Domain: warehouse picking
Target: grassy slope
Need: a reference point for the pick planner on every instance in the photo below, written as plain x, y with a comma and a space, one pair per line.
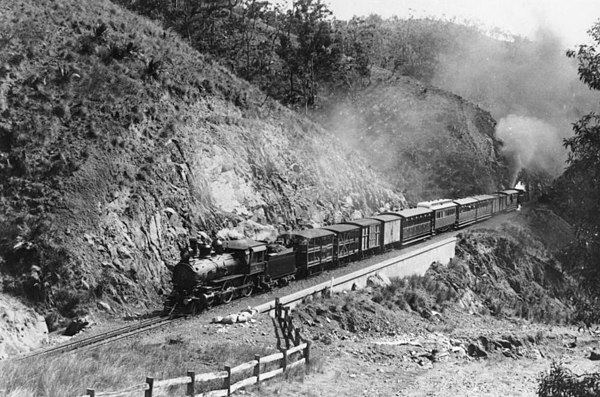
116, 143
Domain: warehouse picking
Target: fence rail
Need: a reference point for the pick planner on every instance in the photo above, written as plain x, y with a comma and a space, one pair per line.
191, 379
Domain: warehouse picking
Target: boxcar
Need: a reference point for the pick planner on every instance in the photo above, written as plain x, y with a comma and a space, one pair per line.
346, 243
467, 211
370, 231
313, 247
444, 213
485, 203
512, 197
392, 229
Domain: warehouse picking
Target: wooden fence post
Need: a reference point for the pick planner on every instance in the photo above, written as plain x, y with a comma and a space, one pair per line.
307, 353
277, 308
284, 360
297, 341
286, 331
228, 380
91, 392
150, 382
191, 387
257, 368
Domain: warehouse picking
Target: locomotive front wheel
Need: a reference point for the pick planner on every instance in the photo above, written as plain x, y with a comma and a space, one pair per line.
227, 293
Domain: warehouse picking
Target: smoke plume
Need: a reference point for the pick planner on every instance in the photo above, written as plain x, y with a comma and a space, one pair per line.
531, 143
530, 86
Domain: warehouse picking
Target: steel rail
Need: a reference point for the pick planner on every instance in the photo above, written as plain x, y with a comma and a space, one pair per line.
105, 337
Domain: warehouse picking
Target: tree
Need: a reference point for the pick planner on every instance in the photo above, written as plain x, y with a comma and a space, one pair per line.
307, 49
579, 186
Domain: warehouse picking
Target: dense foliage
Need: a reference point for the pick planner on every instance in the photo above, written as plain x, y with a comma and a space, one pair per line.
578, 188
300, 53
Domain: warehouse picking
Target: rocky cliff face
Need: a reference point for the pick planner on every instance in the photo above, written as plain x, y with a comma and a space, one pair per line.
428, 142
118, 141
512, 270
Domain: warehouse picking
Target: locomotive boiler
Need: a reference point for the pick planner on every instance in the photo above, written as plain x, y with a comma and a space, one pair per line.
234, 268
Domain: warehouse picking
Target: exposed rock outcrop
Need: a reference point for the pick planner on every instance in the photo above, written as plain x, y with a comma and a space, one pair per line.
21, 328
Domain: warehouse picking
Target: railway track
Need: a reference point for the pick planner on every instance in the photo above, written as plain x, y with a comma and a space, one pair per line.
106, 337
290, 299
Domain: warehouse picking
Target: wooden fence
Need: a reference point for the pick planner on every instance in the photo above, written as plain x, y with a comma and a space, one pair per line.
290, 334
284, 359
296, 347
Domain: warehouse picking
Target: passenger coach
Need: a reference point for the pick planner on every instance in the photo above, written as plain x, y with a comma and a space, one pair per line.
467, 211
417, 224
444, 213
484, 205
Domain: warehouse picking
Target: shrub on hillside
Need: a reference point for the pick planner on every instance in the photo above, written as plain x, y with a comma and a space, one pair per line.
561, 382
416, 293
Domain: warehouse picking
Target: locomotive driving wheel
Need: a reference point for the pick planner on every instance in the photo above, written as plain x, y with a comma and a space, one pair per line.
249, 287
227, 292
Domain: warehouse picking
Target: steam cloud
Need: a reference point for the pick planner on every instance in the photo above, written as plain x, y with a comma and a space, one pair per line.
531, 143
530, 86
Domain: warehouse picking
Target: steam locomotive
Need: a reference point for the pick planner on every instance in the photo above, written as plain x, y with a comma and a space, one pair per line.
214, 272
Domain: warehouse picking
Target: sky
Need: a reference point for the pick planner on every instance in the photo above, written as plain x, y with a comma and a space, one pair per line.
569, 19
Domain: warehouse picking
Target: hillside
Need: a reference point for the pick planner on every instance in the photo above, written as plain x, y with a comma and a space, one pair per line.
428, 142
118, 141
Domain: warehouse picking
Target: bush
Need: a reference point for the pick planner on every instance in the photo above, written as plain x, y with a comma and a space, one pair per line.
561, 382
414, 293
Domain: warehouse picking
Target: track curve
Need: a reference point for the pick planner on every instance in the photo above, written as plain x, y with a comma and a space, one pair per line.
106, 337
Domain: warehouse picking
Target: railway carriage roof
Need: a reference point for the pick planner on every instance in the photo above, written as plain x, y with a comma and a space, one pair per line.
465, 201
386, 217
341, 227
437, 204
310, 233
509, 191
364, 222
482, 197
410, 212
